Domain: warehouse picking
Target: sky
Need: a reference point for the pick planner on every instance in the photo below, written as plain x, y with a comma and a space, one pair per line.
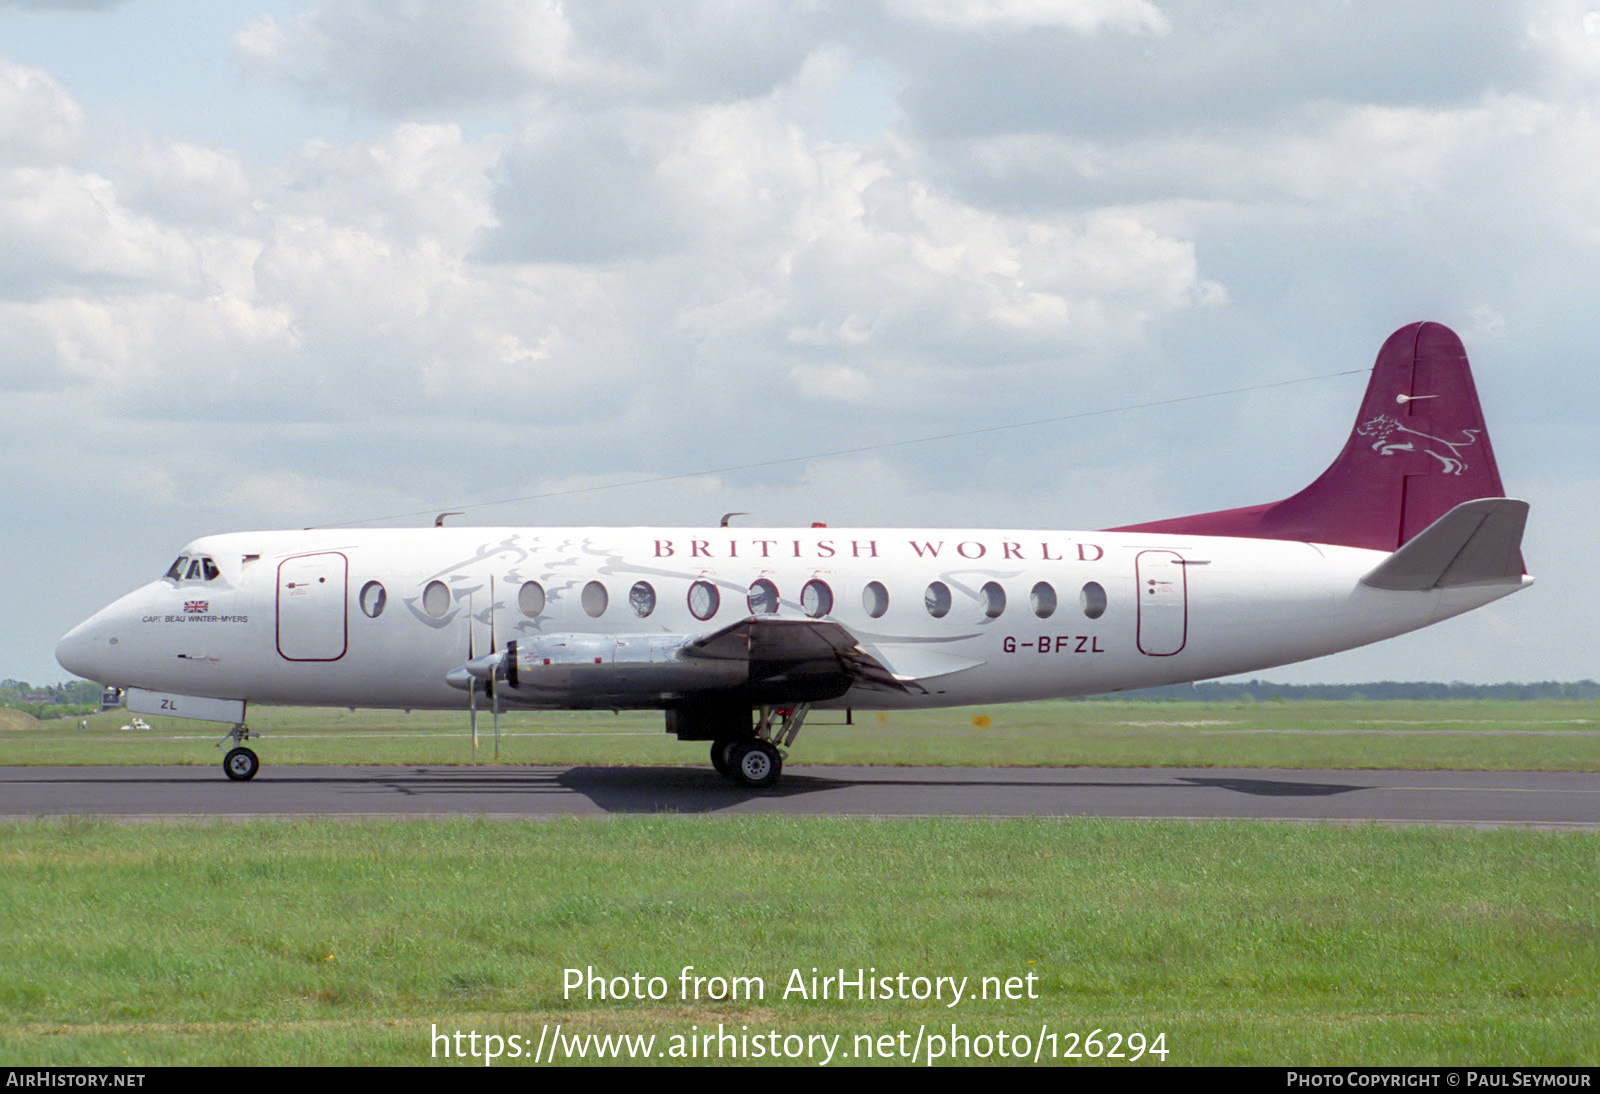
290, 264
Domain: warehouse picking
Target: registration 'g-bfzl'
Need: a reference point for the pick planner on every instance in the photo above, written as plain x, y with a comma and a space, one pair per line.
737, 633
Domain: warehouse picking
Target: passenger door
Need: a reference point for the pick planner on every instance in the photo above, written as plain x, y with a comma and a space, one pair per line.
312, 596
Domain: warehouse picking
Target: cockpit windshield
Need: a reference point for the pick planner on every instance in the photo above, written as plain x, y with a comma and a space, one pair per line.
193, 568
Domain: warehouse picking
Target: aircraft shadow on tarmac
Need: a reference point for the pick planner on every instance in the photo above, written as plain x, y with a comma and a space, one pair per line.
655, 789
695, 790
1272, 788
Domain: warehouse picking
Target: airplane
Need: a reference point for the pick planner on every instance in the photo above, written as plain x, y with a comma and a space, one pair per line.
737, 633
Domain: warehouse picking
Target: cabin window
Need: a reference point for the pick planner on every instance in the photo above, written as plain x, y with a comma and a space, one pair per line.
1093, 599
704, 600
937, 600
1043, 600
816, 599
642, 599
594, 599
373, 598
994, 599
530, 598
875, 599
763, 598
436, 599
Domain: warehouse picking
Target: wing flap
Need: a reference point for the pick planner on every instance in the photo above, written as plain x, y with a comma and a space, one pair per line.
787, 648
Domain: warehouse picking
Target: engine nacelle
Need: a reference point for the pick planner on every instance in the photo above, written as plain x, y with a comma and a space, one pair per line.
596, 670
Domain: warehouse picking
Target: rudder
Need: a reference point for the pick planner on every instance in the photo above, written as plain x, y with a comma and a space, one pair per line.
1418, 449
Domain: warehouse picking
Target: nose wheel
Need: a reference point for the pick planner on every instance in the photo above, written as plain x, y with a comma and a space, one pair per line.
241, 763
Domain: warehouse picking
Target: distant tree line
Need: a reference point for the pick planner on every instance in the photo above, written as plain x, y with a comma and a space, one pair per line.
1266, 691
51, 700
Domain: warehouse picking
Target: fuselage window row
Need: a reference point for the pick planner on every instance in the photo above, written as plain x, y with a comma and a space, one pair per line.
705, 599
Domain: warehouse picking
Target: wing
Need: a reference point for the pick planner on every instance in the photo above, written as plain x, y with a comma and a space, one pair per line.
808, 656
760, 659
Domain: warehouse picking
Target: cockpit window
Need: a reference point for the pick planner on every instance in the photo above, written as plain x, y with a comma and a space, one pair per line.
193, 568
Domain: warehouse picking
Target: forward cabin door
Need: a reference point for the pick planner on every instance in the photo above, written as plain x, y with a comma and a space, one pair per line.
1163, 582
312, 597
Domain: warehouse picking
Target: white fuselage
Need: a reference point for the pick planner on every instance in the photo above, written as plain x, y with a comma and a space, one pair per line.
380, 617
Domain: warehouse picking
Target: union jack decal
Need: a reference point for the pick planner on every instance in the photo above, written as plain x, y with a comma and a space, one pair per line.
193, 607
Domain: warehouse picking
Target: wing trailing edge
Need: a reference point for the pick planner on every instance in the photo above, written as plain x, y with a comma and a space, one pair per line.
776, 647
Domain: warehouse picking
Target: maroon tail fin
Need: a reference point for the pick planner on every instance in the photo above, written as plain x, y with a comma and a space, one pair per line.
1419, 448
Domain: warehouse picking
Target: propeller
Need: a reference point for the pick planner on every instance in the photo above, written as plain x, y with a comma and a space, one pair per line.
484, 671
472, 685
493, 683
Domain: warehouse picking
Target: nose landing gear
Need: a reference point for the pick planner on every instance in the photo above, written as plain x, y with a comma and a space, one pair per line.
240, 764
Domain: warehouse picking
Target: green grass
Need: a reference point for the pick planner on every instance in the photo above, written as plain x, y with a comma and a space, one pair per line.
1452, 734
326, 942
330, 942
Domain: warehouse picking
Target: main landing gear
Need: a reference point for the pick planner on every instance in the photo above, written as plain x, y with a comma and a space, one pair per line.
240, 764
757, 760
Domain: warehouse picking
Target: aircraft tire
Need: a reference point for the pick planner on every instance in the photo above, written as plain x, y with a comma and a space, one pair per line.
241, 764
722, 755
757, 764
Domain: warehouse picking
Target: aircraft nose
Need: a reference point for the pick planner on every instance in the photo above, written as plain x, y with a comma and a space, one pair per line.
83, 650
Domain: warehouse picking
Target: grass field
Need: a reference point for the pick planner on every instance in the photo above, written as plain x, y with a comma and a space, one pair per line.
1462, 734
326, 942
286, 942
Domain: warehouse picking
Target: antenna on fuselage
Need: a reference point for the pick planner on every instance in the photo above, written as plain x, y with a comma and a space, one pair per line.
438, 521
726, 517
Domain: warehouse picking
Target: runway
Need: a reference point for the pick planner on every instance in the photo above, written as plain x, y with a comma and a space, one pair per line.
1474, 798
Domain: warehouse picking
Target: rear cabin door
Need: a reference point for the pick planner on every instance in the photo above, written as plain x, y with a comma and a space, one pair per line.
312, 597
1163, 602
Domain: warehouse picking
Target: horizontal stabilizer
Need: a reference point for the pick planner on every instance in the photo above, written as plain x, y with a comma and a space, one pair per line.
1476, 543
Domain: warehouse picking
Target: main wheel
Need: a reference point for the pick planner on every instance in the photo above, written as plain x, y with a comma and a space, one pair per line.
722, 754
241, 764
756, 763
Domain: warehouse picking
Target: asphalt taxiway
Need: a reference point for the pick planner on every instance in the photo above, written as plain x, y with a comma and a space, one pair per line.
1480, 798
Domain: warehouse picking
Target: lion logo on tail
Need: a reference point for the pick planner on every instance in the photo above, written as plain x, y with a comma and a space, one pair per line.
1383, 427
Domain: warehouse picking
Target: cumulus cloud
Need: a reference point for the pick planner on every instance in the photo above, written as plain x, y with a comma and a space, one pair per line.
39, 121
1215, 64
61, 226
1083, 16
396, 59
